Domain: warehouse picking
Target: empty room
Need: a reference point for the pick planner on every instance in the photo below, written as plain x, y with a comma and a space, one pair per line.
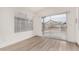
39, 29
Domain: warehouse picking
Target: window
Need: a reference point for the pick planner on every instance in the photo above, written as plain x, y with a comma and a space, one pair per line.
22, 24
57, 18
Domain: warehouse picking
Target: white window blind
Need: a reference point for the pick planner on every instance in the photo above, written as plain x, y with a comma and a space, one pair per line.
22, 24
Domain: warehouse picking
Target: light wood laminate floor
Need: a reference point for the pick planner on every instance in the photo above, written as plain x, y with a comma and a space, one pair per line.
42, 44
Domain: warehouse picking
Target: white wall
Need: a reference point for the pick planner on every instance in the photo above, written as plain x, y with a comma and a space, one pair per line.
71, 15
77, 25
37, 26
7, 35
71, 31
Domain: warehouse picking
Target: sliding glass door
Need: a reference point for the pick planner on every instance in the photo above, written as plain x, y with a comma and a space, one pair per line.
55, 26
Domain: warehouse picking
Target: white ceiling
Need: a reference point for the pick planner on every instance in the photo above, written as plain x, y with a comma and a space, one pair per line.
30, 9
35, 9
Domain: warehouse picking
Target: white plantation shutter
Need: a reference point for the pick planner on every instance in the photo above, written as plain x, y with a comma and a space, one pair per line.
22, 24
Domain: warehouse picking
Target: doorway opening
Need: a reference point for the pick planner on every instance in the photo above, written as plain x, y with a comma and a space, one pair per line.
55, 26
